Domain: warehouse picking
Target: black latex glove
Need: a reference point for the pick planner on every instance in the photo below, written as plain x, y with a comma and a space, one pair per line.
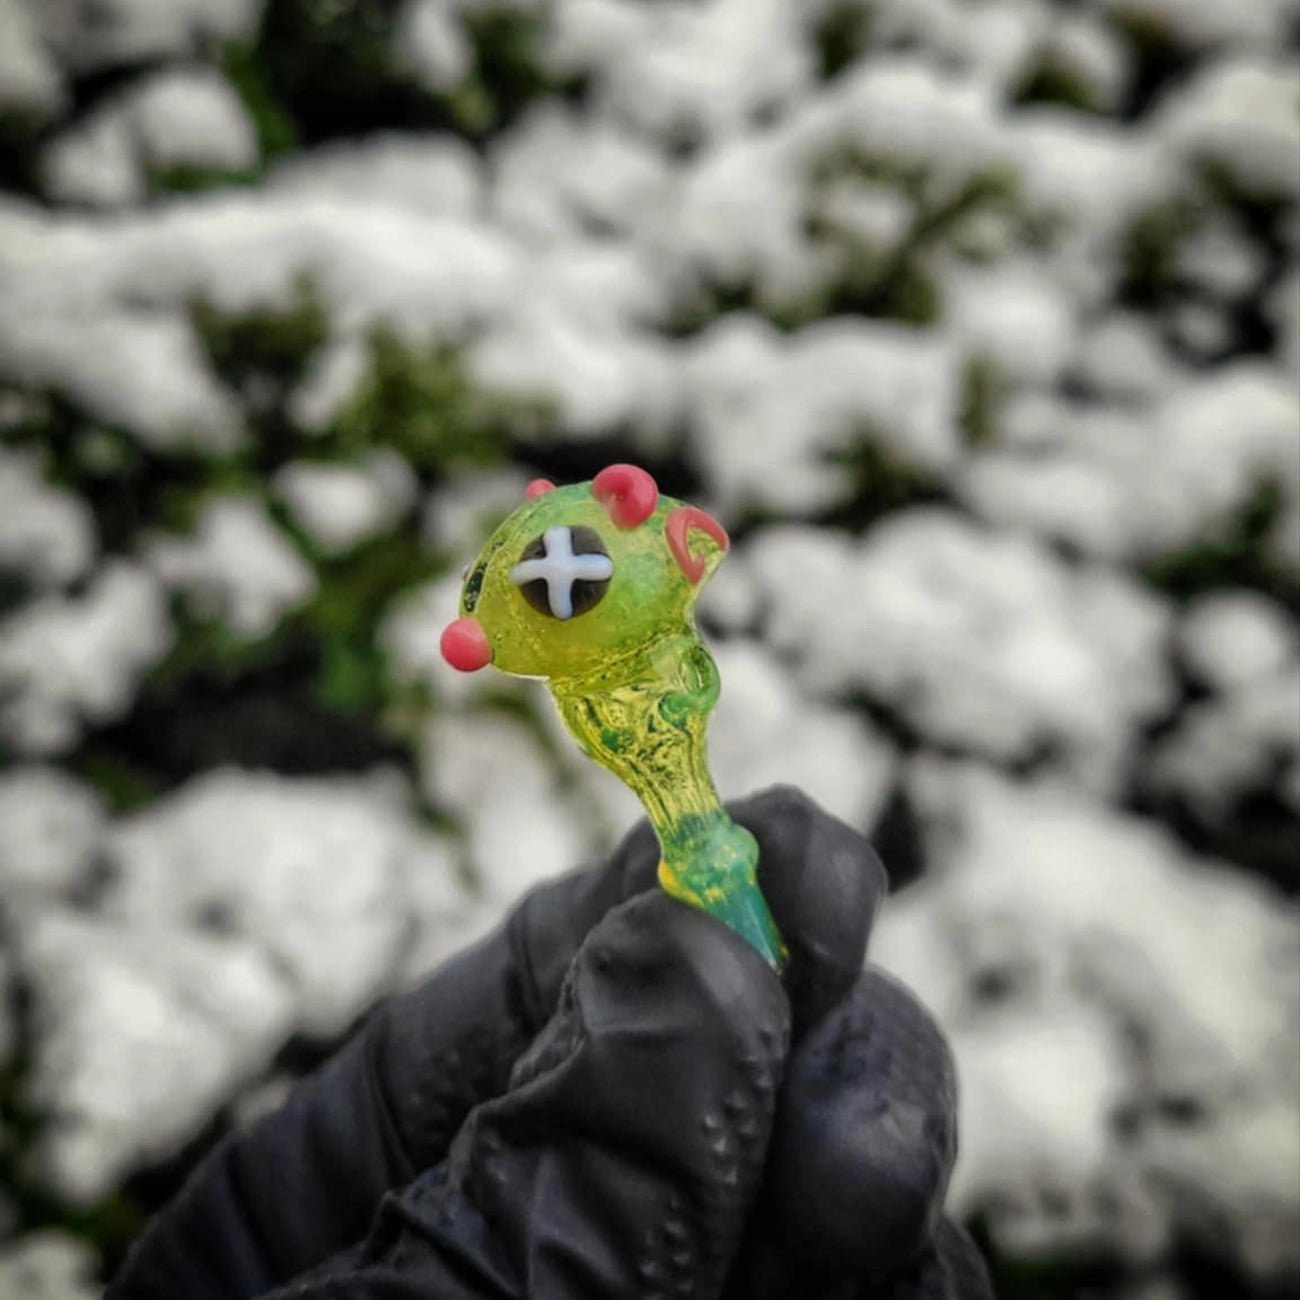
611, 1096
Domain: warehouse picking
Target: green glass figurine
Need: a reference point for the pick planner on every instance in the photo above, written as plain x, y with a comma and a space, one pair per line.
592, 588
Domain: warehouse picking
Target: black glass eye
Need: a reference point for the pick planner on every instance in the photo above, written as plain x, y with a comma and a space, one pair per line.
564, 572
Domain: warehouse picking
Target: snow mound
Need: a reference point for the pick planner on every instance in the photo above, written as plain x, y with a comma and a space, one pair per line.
1121, 1013
978, 640
69, 661
235, 566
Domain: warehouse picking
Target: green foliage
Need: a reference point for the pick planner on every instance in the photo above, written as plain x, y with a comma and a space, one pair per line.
20, 134
898, 283
1053, 81
983, 394
422, 403
1091, 1272
1236, 555
1150, 249
324, 69
186, 179
356, 591
263, 355
317, 692
1159, 59
883, 481
841, 36
247, 72
332, 68
508, 73
127, 487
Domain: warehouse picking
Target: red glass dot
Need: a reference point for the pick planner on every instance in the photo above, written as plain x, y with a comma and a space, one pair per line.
465, 645
628, 492
538, 487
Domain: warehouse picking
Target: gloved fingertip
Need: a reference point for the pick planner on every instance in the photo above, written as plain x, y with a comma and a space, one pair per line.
656, 975
865, 1138
632, 1138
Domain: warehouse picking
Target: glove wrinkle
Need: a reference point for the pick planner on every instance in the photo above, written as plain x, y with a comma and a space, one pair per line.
623, 1160
445, 1045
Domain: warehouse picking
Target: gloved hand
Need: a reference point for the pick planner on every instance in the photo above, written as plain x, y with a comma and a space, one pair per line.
612, 1096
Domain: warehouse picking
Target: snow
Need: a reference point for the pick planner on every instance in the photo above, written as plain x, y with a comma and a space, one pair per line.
429, 174
905, 107
769, 409
1284, 308
411, 632
558, 173
192, 118
1226, 747
1015, 316
1123, 1013
880, 218
980, 640
1231, 638
65, 661
1056, 495
236, 566
461, 513
1086, 172
1242, 116
191, 1016
1092, 53
46, 534
764, 732
117, 33
1128, 485
99, 310
698, 71
311, 871
431, 44
1219, 438
137, 368
239, 910
1039, 1093
49, 1265
519, 826
1241, 1171
596, 381
95, 162
175, 117
341, 506
1221, 261
1122, 358
738, 213
29, 78
1127, 972
50, 829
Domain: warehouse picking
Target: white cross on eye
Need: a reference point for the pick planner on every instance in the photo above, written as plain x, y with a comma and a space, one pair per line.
560, 569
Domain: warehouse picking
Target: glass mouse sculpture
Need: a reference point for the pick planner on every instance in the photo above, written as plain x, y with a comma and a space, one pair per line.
592, 588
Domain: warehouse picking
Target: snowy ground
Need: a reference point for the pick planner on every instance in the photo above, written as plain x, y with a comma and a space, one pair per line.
978, 323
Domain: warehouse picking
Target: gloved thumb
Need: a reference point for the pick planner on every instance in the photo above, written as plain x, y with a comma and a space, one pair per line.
624, 1157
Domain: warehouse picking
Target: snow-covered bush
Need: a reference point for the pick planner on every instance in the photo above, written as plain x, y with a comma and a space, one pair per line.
978, 324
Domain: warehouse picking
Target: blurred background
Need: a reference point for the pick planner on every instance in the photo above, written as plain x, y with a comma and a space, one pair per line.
978, 324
